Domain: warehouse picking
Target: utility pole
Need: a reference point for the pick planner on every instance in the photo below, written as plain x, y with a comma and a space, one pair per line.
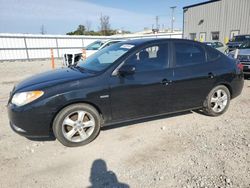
157, 22
42, 30
172, 19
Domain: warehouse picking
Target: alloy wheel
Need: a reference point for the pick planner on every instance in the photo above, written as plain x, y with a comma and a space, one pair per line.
219, 100
78, 126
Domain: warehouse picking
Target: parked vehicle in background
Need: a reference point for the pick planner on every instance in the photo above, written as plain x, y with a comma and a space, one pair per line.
237, 41
217, 45
243, 56
126, 81
93, 47
98, 45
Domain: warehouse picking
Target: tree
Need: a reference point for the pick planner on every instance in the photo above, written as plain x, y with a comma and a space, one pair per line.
104, 25
104, 28
79, 31
88, 25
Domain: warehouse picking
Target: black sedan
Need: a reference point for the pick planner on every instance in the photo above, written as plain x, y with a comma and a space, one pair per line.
126, 81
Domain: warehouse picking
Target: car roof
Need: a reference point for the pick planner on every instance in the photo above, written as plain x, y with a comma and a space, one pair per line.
115, 40
242, 35
137, 42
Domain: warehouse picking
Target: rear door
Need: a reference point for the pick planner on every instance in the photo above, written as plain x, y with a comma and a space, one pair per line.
193, 76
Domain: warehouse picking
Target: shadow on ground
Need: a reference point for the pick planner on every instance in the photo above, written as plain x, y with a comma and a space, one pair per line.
52, 138
101, 177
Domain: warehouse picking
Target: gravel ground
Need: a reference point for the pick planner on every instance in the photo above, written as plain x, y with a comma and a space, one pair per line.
182, 150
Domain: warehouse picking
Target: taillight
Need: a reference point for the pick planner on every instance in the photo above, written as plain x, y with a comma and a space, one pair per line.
240, 66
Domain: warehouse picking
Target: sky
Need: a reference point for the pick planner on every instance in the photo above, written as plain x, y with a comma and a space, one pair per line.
62, 16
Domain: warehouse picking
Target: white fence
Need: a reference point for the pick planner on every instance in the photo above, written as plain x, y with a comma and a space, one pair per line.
28, 47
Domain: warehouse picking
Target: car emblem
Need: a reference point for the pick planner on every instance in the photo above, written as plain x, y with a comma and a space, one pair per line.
104, 96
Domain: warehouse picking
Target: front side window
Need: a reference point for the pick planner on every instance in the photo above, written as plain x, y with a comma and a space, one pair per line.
154, 57
188, 54
103, 58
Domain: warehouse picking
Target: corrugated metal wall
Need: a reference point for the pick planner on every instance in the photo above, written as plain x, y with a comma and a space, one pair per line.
224, 16
18, 46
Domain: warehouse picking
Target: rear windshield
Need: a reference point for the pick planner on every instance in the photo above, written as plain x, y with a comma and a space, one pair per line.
241, 38
245, 45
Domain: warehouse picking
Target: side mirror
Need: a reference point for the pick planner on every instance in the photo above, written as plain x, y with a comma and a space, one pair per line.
126, 70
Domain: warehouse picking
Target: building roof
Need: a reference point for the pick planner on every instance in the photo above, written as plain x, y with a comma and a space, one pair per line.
198, 4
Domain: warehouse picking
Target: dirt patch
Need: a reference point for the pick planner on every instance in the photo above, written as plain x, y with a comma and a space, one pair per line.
183, 150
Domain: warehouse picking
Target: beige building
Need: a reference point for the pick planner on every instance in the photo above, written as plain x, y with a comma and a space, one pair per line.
216, 20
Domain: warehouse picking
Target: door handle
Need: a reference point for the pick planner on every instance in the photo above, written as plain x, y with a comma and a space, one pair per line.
211, 75
165, 82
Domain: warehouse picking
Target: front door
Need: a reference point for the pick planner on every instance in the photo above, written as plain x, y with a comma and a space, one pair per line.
147, 92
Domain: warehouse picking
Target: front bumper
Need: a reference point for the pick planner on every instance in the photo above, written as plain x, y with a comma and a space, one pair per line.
30, 121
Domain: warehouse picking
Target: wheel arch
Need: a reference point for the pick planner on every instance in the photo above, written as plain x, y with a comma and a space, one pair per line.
228, 87
76, 102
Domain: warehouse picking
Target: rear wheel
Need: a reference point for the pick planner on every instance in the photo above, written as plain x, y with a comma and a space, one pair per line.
77, 125
217, 101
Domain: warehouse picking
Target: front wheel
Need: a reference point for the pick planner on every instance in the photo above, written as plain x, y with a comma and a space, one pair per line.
217, 101
77, 125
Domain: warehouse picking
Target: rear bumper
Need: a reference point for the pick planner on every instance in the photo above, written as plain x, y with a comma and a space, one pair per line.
237, 85
246, 67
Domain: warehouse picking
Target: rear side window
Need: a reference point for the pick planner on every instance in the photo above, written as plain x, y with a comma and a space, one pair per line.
212, 54
188, 54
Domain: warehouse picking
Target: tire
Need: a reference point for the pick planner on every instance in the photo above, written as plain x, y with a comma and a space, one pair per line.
213, 99
77, 125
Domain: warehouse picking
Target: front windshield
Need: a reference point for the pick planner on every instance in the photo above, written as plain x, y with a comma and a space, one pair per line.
94, 46
245, 45
105, 57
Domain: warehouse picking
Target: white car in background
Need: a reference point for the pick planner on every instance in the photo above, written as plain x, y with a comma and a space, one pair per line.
243, 55
98, 45
217, 45
73, 56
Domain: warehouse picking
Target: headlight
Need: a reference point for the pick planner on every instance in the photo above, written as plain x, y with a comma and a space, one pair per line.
23, 98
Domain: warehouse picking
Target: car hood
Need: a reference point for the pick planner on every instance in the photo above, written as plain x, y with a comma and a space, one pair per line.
53, 77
